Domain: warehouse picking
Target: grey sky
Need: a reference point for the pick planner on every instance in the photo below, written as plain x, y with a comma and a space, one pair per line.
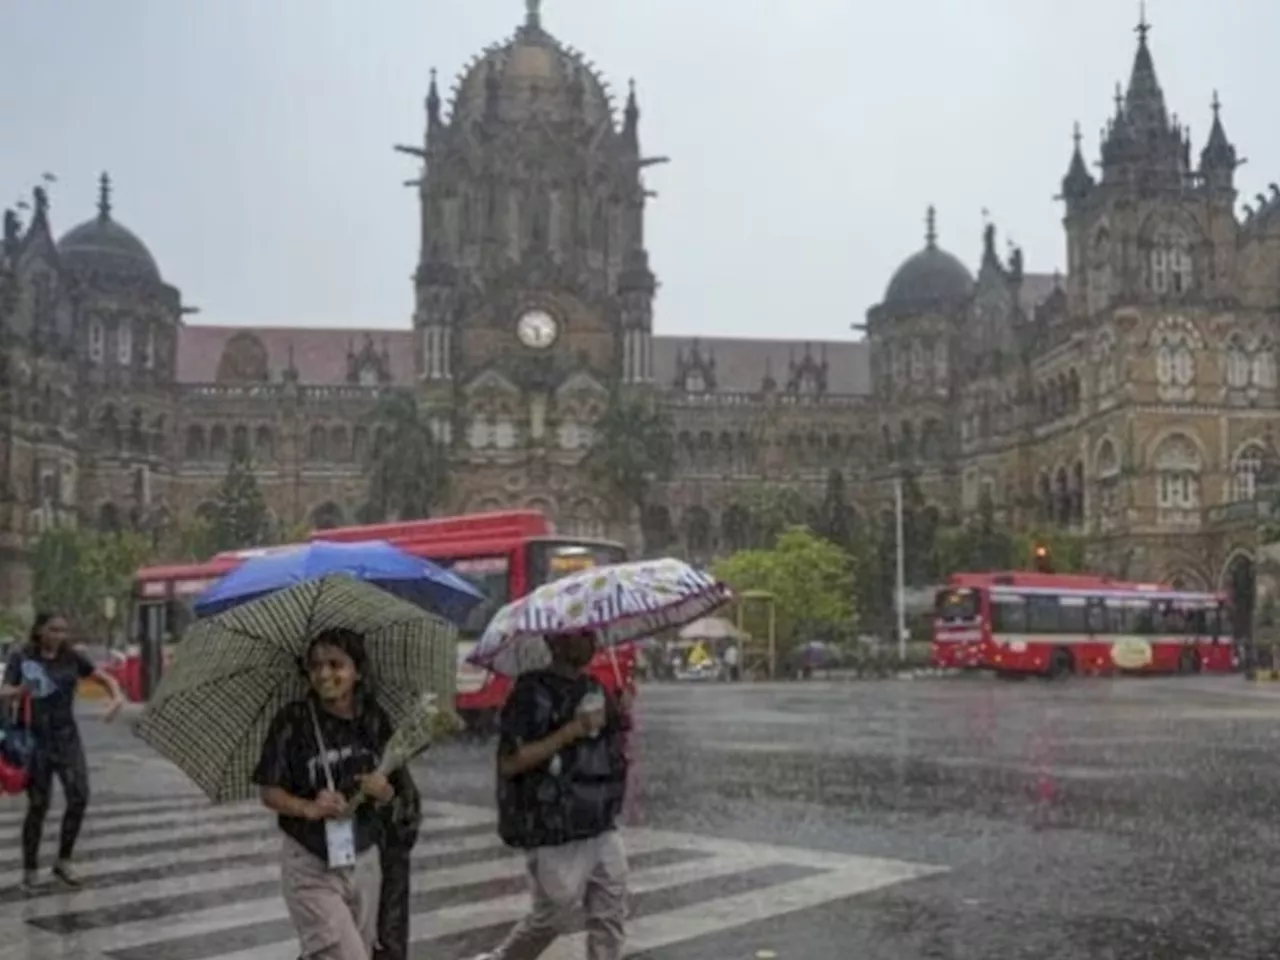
250, 140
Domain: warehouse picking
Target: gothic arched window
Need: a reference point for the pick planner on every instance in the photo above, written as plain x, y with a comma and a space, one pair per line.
1244, 473
1177, 463
1238, 362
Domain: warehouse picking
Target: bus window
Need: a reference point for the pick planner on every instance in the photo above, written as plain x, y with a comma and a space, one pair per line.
1042, 615
489, 575
953, 606
1008, 614
1072, 615
1095, 617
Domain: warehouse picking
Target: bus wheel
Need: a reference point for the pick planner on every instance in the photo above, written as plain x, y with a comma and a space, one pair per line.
1189, 662
1061, 665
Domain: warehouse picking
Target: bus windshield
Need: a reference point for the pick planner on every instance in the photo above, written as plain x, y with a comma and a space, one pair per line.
552, 559
954, 605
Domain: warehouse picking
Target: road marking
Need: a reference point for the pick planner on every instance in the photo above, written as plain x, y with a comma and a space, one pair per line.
168, 893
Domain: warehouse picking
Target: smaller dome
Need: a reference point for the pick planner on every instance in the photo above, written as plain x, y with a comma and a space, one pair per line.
930, 275
105, 246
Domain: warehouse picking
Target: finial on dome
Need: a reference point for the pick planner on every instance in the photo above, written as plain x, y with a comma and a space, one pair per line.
104, 196
533, 15
931, 227
1144, 26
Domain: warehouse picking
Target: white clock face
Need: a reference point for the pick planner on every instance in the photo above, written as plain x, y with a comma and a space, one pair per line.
537, 329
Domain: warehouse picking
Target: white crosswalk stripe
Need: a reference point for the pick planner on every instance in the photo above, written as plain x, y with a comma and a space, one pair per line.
179, 880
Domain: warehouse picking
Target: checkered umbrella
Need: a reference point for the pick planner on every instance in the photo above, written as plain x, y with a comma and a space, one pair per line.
233, 672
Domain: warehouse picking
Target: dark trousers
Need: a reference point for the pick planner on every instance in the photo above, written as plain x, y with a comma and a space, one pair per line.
393, 905
63, 759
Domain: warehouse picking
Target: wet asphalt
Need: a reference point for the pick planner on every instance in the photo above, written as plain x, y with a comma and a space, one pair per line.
1099, 819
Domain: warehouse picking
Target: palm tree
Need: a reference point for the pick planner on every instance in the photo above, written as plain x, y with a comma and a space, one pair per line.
409, 472
633, 450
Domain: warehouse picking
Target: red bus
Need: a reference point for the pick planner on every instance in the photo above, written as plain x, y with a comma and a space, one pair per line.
506, 554
1022, 623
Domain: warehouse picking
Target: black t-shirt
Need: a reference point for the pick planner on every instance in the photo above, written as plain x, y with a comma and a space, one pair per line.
291, 760
578, 794
52, 683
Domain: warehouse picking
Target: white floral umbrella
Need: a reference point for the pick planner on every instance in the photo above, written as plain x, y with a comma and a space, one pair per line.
619, 603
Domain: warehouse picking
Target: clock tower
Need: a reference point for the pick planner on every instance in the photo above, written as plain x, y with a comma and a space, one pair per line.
534, 294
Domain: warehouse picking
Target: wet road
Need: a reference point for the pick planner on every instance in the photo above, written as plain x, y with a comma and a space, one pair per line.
940, 819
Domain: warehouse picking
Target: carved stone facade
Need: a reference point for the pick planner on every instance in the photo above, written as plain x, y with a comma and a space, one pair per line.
1129, 399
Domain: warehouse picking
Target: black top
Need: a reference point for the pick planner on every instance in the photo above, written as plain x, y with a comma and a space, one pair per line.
579, 793
52, 684
290, 760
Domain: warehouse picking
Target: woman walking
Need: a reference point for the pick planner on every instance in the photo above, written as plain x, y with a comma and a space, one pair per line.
48, 670
319, 753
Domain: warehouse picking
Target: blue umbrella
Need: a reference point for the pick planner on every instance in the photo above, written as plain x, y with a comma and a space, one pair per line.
419, 581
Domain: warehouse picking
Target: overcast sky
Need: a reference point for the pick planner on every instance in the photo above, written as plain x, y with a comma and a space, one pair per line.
250, 140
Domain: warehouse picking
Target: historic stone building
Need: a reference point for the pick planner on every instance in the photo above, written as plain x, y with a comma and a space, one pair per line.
1128, 398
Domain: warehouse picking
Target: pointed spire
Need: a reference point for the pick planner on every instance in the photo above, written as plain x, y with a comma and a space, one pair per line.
1144, 102
1218, 158
931, 228
632, 113
433, 99
1078, 181
104, 196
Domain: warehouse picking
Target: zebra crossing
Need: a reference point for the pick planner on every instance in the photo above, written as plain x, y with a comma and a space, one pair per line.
176, 879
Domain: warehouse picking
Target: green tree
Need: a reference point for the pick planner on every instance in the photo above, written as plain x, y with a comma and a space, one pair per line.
810, 578
632, 451
76, 571
409, 477
240, 517
771, 509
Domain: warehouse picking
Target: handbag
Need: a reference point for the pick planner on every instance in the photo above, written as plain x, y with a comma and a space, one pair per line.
16, 748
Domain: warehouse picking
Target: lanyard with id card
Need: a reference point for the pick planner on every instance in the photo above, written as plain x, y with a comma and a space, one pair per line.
340, 834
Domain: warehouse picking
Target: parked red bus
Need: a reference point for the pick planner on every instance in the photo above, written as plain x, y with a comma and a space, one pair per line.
505, 554
1022, 623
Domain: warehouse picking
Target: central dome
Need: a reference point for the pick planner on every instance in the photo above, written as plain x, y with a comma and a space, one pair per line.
532, 74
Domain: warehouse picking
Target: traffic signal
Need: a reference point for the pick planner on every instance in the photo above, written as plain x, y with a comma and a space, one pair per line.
1044, 563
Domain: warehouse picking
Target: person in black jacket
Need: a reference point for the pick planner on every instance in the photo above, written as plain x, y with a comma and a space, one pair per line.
562, 777
402, 818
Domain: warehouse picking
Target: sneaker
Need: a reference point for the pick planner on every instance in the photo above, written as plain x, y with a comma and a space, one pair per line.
30, 881
66, 873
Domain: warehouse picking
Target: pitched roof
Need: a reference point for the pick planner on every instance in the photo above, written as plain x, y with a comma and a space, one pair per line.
319, 354
741, 363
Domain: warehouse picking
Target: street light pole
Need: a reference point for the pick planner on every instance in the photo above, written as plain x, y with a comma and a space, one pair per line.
901, 584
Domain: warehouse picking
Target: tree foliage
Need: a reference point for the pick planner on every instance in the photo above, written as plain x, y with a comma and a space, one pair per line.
240, 517
409, 477
76, 571
632, 451
810, 578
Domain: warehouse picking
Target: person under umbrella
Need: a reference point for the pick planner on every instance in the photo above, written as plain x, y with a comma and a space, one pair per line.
319, 753
562, 752
562, 777
237, 672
